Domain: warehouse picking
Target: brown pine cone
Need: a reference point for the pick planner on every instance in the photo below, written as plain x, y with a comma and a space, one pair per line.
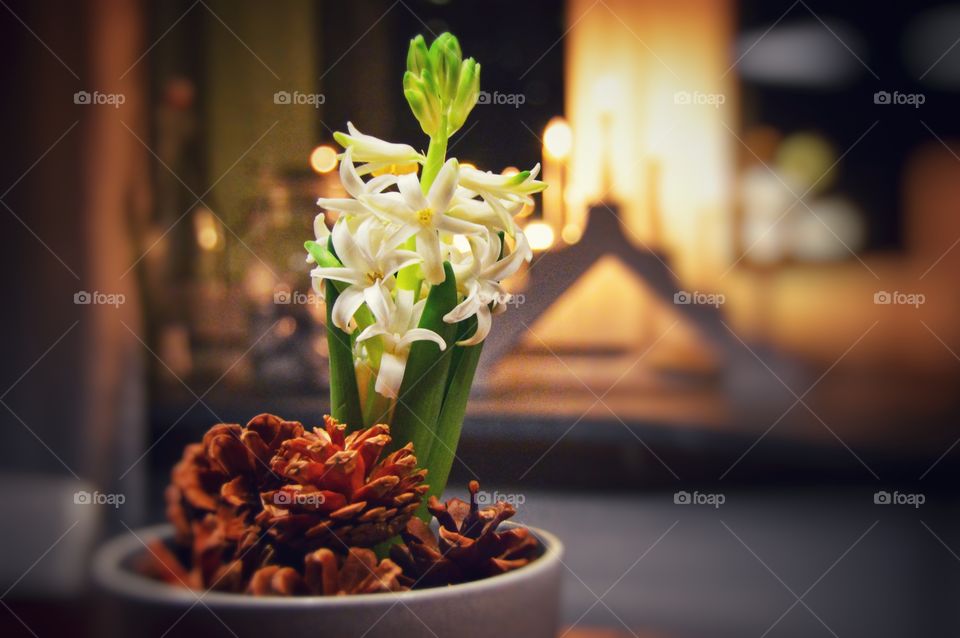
213, 497
258, 508
329, 574
468, 548
336, 491
230, 466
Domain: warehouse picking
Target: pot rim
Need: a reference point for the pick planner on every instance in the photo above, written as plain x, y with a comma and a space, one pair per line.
111, 575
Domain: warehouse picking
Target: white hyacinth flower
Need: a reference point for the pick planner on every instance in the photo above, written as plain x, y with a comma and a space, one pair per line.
506, 194
395, 324
481, 283
369, 255
374, 153
356, 188
425, 216
477, 211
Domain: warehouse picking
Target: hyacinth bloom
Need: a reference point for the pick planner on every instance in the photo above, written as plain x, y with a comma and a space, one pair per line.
413, 265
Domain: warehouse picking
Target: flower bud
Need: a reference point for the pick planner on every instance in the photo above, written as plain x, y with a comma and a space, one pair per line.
468, 91
417, 55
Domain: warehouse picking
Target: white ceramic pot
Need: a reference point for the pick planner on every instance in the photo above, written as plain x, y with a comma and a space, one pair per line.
524, 602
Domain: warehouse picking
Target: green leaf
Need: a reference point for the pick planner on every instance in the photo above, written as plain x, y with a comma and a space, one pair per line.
344, 396
463, 367
321, 255
425, 377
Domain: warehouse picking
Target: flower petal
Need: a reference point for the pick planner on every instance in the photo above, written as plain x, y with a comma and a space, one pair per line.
483, 327
409, 187
428, 245
341, 205
444, 186
370, 332
466, 308
348, 175
379, 302
320, 229
346, 306
346, 275
349, 247
421, 334
458, 226
390, 375
390, 206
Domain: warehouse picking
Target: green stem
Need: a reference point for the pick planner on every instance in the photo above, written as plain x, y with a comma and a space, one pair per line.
436, 156
376, 407
344, 397
409, 278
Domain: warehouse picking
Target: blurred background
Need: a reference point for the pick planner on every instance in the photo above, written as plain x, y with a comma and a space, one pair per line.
744, 286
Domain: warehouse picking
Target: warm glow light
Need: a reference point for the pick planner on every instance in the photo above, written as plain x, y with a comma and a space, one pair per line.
469, 165
509, 171
539, 234
205, 227
571, 233
649, 130
285, 327
609, 93
323, 159
558, 138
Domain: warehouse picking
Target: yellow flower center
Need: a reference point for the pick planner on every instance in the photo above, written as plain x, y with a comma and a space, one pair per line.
425, 216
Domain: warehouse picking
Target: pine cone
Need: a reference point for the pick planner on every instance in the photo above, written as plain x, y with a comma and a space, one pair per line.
336, 492
230, 466
222, 556
468, 548
258, 509
328, 574
212, 499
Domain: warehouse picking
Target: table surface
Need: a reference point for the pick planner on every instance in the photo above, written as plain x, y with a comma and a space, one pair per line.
777, 562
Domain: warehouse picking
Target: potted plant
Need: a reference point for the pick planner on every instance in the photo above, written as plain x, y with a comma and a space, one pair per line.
339, 530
